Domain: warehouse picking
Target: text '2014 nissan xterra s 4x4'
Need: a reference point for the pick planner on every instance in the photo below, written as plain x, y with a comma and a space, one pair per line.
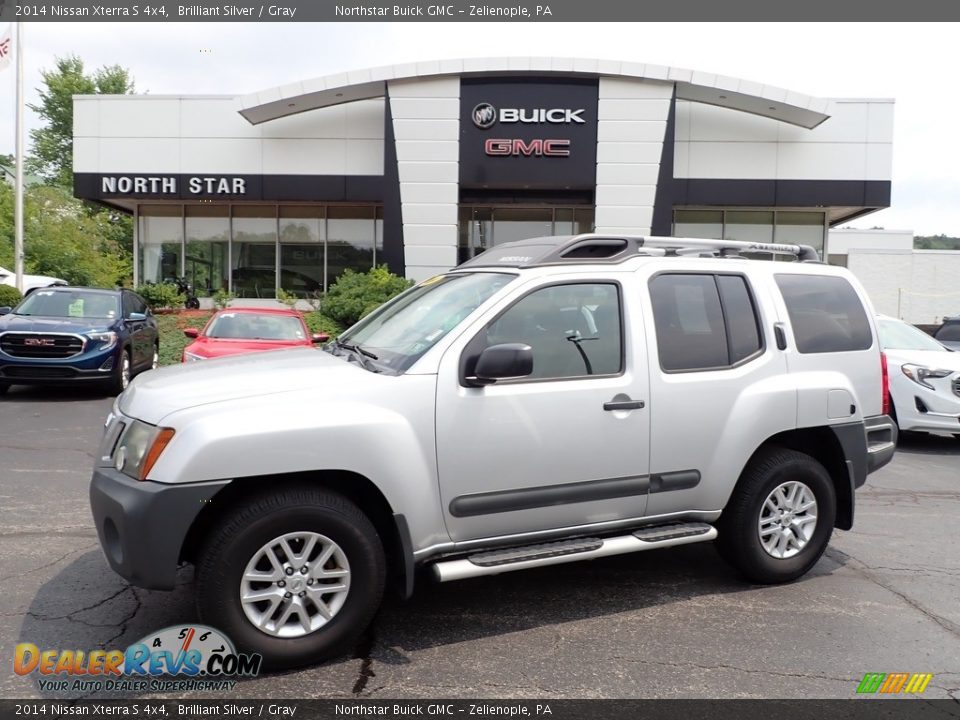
550, 400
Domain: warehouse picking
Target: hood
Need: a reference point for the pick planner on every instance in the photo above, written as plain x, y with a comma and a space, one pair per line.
32, 323
932, 359
154, 395
216, 348
29, 281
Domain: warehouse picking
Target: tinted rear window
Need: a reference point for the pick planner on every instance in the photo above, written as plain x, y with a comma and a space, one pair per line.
950, 332
826, 313
743, 330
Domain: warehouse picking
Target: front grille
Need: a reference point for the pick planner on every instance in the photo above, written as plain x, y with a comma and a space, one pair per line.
37, 373
37, 345
956, 386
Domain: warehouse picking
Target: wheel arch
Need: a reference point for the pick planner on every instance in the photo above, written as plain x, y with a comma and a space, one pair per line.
392, 528
822, 444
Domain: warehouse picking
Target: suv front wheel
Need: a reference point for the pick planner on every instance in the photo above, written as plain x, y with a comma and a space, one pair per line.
296, 576
780, 517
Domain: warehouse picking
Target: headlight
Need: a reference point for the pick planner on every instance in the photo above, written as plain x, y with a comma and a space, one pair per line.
139, 449
919, 374
190, 357
106, 339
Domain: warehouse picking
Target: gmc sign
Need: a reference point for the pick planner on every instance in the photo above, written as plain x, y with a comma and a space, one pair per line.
529, 148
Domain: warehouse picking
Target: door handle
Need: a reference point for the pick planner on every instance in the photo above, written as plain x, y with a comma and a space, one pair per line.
623, 405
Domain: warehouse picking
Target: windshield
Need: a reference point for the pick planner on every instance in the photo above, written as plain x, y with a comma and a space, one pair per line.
896, 335
254, 326
402, 330
88, 304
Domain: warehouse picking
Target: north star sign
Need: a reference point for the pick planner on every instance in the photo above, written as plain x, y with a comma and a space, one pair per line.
166, 185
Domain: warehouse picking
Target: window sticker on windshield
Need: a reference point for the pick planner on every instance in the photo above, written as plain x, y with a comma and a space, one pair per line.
75, 309
431, 281
44, 293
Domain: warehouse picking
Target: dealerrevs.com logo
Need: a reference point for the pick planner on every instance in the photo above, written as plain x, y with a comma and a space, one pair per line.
176, 659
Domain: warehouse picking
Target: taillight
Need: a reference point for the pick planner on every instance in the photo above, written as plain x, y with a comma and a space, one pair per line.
884, 384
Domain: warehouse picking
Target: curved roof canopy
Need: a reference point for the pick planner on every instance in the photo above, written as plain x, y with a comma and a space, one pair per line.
744, 95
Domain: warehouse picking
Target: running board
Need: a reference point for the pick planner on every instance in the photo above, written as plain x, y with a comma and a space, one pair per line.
564, 551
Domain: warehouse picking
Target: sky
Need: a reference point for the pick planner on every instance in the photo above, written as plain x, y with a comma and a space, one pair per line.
913, 63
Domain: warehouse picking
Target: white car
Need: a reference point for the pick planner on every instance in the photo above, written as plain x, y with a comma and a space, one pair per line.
30, 282
924, 378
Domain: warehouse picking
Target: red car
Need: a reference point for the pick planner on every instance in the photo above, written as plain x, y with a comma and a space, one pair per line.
243, 330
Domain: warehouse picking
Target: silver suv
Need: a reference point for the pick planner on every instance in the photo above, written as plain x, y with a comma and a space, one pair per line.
551, 400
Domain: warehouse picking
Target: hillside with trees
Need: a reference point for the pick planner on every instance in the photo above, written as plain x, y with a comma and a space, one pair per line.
936, 242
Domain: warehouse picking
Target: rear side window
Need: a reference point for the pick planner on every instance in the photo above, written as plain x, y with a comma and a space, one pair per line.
949, 332
703, 321
826, 313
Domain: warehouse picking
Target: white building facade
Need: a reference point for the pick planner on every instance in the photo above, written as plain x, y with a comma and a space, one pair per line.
919, 286
421, 166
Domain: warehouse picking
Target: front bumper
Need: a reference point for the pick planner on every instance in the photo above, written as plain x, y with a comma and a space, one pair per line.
142, 525
90, 366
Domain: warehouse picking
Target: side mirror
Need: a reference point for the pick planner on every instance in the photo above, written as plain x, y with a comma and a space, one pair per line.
136, 317
318, 338
500, 362
6, 310
191, 332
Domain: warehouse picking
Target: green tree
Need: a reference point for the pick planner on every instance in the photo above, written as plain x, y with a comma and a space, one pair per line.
62, 239
52, 156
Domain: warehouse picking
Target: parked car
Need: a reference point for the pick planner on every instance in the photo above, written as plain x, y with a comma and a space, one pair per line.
924, 378
75, 334
550, 400
243, 330
30, 282
949, 333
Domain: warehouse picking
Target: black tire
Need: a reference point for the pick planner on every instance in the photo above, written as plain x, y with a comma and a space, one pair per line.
192, 304
738, 538
240, 535
116, 383
3, 388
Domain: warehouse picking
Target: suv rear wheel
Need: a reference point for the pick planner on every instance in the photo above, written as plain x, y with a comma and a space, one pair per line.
296, 576
779, 520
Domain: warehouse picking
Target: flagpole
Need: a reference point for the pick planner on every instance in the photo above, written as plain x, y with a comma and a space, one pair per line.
18, 182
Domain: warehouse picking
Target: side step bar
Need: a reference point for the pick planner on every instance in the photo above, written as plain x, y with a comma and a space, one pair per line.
564, 551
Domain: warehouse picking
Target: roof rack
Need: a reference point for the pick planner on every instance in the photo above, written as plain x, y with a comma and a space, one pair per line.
612, 249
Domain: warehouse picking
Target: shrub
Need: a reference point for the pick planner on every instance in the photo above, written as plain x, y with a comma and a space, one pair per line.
161, 295
222, 298
320, 323
9, 295
288, 299
355, 294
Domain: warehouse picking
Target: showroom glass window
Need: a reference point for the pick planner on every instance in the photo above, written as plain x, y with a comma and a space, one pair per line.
160, 240
351, 239
303, 234
482, 227
208, 247
254, 251
791, 227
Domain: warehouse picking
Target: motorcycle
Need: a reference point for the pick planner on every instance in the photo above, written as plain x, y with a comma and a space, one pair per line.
184, 288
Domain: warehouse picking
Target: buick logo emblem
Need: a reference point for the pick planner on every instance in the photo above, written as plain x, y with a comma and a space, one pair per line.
484, 116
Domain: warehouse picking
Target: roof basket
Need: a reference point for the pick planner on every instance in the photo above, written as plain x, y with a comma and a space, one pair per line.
605, 249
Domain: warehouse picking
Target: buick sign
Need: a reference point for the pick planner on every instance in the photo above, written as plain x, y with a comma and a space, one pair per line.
484, 115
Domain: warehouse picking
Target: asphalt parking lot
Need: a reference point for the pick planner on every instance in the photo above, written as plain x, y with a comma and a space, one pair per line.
666, 624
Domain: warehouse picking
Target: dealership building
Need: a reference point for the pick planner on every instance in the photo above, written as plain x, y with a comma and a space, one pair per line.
421, 166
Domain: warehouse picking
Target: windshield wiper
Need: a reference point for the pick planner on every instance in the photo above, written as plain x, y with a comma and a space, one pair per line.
361, 354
